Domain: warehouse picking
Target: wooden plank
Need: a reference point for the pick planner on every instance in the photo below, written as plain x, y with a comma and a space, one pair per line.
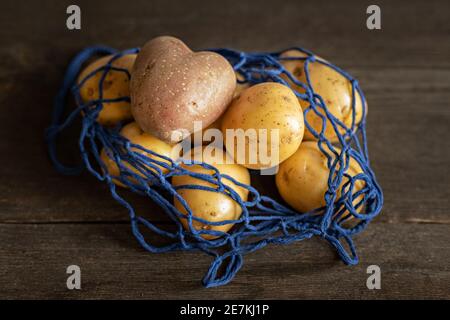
34, 258
335, 30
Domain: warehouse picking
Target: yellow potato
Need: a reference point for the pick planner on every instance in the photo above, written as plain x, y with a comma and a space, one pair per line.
302, 180
115, 85
111, 166
209, 205
335, 90
261, 111
136, 136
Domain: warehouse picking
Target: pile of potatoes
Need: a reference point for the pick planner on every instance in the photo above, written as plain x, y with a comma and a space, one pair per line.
172, 86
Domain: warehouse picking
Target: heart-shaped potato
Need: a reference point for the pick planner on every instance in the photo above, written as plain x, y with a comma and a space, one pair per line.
172, 86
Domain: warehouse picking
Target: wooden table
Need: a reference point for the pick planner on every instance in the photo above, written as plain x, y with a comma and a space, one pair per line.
49, 221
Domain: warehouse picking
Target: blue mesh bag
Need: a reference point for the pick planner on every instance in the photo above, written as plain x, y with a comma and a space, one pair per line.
263, 220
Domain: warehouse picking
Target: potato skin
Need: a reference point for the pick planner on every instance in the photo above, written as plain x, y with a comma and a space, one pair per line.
269, 106
115, 85
134, 133
171, 87
217, 124
302, 180
335, 90
208, 205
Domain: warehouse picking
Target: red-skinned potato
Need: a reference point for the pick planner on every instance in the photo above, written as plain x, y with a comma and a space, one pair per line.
172, 86
217, 124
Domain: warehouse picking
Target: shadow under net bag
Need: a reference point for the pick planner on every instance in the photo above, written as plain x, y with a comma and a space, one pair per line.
263, 220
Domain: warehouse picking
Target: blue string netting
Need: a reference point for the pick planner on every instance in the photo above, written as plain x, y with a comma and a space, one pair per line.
263, 221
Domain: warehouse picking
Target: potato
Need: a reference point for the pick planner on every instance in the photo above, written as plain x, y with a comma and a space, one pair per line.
115, 85
204, 139
218, 123
209, 205
111, 167
136, 136
302, 180
270, 106
335, 90
171, 87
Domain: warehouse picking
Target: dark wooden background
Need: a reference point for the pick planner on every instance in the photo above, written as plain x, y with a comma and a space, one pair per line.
49, 221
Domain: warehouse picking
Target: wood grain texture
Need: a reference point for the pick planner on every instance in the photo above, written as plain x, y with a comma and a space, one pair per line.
35, 257
48, 221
